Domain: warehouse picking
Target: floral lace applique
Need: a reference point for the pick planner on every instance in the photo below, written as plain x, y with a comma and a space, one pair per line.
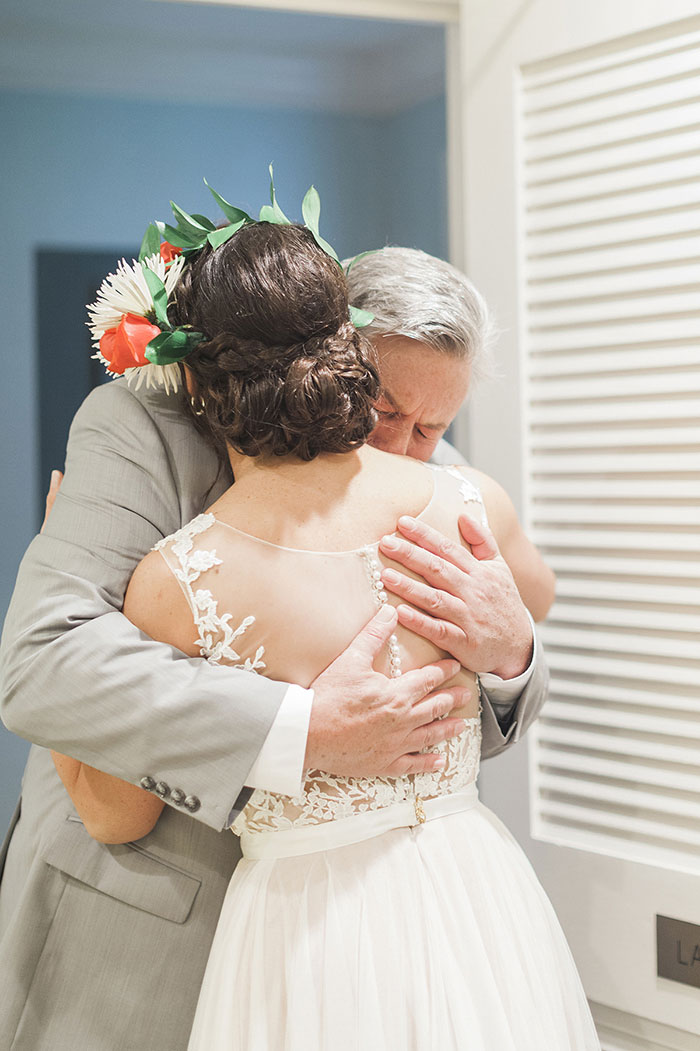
470, 493
326, 797
216, 635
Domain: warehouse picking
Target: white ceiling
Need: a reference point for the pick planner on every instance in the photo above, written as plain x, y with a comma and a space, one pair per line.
217, 54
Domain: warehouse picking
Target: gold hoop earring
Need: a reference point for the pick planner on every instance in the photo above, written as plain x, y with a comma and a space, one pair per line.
198, 406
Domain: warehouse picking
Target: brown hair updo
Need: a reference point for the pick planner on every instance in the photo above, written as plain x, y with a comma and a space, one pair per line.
281, 370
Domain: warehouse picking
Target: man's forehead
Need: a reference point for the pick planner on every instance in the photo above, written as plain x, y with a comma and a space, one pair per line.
402, 407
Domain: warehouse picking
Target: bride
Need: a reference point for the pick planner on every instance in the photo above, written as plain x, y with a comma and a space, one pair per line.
391, 914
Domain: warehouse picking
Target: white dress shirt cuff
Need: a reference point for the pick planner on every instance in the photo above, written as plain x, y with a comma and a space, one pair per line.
507, 691
280, 763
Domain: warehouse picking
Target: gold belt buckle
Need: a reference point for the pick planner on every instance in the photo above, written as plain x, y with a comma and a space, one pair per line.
418, 807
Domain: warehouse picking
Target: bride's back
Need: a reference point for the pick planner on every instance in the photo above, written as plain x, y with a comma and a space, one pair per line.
284, 570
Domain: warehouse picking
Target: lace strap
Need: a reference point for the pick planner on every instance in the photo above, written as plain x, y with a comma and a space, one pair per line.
470, 493
186, 560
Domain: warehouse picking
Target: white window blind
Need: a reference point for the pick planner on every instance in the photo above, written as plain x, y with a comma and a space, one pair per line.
610, 233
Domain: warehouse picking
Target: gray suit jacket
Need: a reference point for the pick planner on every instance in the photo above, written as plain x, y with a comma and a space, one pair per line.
104, 947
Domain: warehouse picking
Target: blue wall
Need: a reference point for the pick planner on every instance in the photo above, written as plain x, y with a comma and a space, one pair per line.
92, 173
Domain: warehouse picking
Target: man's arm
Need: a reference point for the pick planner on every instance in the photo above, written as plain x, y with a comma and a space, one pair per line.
77, 676
80, 679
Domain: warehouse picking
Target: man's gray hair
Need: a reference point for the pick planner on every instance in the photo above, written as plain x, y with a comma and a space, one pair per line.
418, 296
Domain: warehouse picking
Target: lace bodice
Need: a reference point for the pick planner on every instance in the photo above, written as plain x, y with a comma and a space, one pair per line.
296, 610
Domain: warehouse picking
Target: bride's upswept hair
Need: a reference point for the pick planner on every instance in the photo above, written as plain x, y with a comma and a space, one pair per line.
281, 370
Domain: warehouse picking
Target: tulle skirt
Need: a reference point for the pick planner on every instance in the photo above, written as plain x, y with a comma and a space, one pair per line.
418, 939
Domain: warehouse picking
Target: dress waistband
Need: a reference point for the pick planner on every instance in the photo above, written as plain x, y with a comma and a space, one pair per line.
327, 835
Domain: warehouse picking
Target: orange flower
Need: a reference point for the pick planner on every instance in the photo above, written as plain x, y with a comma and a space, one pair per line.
169, 252
124, 347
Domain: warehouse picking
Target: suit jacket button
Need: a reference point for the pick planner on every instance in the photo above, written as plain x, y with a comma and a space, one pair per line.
148, 783
177, 796
162, 789
192, 804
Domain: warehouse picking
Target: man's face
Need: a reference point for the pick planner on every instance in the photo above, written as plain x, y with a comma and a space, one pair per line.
422, 391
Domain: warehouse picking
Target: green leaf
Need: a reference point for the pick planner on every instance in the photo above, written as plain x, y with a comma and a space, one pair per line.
359, 318
186, 222
311, 210
273, 212
170, 347
180, 239
160, 296
151, 243
219, 237
329, 249
207, 223
232, 213
361, 255
267, 214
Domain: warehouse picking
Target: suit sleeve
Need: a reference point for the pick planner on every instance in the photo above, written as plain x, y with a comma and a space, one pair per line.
497, 735
77, 676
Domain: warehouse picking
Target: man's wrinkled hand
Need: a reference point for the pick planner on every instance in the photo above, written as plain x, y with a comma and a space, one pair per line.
466, 602
364, 724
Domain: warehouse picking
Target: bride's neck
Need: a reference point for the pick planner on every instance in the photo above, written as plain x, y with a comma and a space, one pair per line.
326, 465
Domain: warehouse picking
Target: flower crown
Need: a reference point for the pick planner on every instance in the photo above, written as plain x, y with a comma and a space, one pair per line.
129, 318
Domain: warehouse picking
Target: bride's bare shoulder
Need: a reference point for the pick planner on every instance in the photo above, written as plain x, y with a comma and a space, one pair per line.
405, 482
154, 602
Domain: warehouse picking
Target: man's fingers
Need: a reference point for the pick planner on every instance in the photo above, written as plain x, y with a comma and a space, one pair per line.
438, 571
438, 705
415, 685
374, 636
433, 600
441, 633
479, 537
426, 762
432, 540
433, 734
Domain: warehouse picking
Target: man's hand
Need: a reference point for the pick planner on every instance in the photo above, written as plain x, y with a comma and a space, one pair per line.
54, 486
364, 724
471, 603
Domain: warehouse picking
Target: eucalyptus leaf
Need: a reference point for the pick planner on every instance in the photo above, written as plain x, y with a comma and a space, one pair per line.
151, 242
159, 294
232, 213
359, 318
219, 237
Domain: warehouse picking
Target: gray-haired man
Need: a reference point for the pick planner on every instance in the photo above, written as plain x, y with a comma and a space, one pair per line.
432, 332
104, 947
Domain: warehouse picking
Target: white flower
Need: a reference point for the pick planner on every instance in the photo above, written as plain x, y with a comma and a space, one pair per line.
165, 376
126, 292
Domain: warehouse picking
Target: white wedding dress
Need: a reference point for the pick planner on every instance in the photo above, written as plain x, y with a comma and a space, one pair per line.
369, 914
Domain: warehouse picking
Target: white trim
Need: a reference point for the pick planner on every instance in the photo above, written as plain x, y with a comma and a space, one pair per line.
455, 166
400, 10
455, 187
620, 1031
